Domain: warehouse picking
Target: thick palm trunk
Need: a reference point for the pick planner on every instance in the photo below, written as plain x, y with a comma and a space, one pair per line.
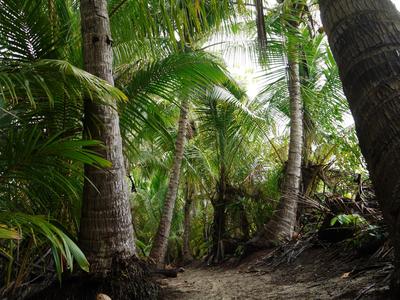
159, 248
187, 256
283, 222
106, 230
365, 40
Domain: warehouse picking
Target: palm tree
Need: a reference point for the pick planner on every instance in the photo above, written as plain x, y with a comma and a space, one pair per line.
226, 126
102, 123
159, 248
216, 76
106, 230
260, 21
41, 149
189, 32
281, 226
318, 81
364, 40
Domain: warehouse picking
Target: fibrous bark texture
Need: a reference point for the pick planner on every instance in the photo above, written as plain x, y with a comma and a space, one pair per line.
106, 230
282, 224
160, 244
364, 36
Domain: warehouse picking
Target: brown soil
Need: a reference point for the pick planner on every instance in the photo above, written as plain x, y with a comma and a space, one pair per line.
316, 274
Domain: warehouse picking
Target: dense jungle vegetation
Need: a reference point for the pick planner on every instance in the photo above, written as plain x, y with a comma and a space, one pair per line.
129, 148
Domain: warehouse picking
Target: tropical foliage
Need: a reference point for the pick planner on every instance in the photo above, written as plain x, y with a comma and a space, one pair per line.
237, 147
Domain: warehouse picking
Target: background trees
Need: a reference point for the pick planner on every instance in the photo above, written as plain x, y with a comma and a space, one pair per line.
238, 150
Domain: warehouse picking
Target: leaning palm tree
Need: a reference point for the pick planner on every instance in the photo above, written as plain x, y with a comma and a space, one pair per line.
364, 40
216, 76
281, 226
161, 239
317, 81
182, 73
189, 32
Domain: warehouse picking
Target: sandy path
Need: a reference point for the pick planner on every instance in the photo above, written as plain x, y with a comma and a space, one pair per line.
233, 284
313, 276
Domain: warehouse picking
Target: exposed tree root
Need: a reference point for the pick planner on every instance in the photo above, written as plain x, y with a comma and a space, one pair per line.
130, 279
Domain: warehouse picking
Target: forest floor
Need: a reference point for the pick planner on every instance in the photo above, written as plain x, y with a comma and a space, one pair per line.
315, 274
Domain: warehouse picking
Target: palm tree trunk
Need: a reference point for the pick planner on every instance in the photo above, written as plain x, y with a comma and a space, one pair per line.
365, 40
106, 230
187, 256
283, 222
160, 244
260, 22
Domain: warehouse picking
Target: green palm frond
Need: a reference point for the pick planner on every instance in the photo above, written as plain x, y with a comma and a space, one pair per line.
178, 75
51, 79
41, 170
175, 21
39, 29
39, 228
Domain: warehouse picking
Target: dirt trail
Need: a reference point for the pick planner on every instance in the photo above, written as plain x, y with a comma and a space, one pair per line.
306, 279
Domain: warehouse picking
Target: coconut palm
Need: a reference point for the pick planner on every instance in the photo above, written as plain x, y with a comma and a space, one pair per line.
317, 81
42, 152
48, 93
369, 73
121, 237
188, 33
281, 226
228, 128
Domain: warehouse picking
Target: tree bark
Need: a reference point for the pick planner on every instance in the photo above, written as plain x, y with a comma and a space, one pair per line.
282, 224
106, 230
159, 248
260, 22
365, 40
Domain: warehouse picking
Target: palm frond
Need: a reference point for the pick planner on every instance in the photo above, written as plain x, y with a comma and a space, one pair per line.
65, 250
50, 79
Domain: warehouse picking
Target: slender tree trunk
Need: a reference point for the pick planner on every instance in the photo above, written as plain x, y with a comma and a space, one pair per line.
283, 222
260, 21
106, 230
365, 41
159, 248
187, 256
